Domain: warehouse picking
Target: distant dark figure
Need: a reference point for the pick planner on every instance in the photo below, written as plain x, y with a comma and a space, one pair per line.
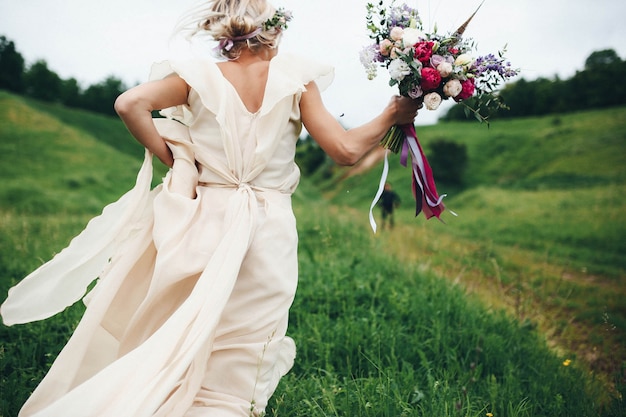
389, 201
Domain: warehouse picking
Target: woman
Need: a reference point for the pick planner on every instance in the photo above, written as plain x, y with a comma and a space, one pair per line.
196, 277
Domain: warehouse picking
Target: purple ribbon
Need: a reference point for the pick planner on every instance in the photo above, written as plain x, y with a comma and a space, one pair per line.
404, 155
228, 43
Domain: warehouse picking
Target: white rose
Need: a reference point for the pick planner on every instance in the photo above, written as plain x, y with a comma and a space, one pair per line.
445, 69
432, 101
398, 69
452, 88
463, 60
412, 36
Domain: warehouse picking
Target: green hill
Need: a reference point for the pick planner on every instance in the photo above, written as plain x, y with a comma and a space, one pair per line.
533, 183
380, 329
540, 227
46, 163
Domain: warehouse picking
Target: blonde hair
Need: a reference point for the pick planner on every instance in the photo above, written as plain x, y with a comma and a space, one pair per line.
235, 21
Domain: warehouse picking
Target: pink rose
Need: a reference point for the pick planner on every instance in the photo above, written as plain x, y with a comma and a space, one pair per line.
423, 51
467, 91
453, 88
385, 47
445, 69
430, 79
432, 101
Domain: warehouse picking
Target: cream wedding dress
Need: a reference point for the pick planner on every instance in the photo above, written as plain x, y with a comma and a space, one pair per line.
190, 311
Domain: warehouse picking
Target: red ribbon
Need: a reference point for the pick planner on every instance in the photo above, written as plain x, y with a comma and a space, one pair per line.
424, 190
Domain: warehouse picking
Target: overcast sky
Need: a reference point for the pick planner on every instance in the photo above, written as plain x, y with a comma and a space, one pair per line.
90, 40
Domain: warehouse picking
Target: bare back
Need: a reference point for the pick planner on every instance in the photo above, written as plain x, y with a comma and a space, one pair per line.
249, 78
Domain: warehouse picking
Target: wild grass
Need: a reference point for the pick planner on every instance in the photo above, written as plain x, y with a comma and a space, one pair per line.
54, 179
540, 226
384, 324
378, 337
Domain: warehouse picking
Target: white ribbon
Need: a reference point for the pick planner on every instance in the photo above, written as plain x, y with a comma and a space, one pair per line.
381, 187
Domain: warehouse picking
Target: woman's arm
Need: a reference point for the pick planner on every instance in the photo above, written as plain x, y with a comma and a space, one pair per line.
135, 108
347, 147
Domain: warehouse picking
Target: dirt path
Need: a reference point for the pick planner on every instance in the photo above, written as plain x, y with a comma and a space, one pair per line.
596, 347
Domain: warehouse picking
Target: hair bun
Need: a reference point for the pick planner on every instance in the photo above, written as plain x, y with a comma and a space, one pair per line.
239, 24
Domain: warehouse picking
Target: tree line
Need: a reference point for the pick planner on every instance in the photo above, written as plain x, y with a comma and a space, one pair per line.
595, 86
40, 82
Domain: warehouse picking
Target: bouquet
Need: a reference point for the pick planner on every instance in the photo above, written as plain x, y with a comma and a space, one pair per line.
429, 67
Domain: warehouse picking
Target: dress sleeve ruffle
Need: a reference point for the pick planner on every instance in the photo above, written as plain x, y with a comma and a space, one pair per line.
291, 74
306, 70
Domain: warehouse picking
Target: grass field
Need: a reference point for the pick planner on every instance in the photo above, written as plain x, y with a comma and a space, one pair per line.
540, 230
514, 308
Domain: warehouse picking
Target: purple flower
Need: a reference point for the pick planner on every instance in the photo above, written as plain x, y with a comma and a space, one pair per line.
435, 60
369, 57
402, 16
490, 64
416, 92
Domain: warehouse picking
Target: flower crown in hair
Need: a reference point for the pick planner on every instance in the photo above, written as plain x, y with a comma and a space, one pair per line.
279, 20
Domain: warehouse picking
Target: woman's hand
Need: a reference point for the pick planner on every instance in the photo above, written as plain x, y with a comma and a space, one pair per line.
404, 109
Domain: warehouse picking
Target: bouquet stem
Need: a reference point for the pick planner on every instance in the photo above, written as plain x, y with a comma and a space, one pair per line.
393, 139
